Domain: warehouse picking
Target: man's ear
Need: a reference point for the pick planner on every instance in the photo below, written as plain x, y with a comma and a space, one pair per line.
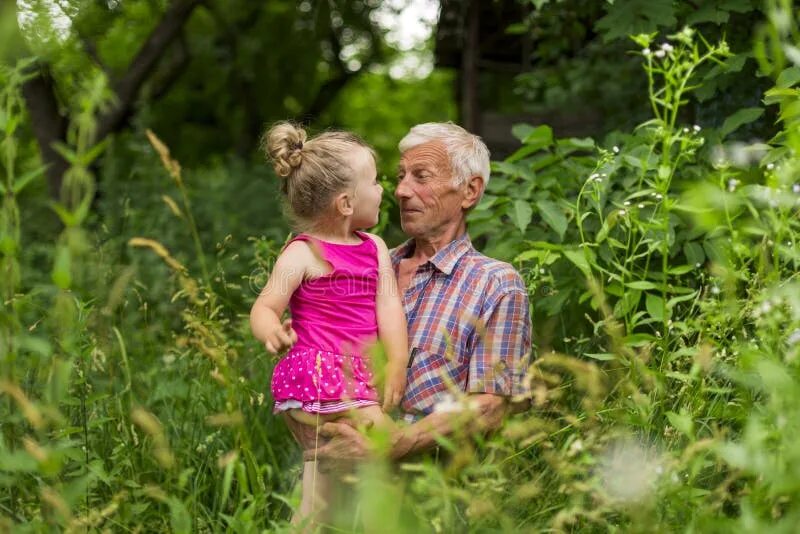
473, 190
344, 204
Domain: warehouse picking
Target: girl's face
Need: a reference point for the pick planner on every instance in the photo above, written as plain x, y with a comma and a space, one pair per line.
366, 189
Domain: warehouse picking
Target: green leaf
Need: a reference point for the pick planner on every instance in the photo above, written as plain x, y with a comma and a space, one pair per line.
64, 214
521, 131
90, 155
788, 77
513, 169
553, 216
27, 178
66, 152
641, 284
62, 275
521, 214
541, 136
682, 298
636, 16
682, 422
638, 340
179, 518
602, 356
578, 257
694, 253
655, 306
740, 118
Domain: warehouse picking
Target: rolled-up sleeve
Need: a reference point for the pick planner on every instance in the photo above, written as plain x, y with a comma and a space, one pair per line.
502, 354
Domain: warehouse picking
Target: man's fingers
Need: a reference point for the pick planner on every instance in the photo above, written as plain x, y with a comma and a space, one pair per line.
312, 454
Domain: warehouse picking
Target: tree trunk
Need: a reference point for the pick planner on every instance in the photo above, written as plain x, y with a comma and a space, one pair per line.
48, 124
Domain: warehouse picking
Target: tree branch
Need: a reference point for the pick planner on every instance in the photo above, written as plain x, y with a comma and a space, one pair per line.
172, 71
127, 87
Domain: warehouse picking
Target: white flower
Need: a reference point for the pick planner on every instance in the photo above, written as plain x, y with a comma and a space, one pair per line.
732, 183
615, 149
696, 128
666, 47
627, 202
621, 212
628, 472
659, 53
697, 265
770, 166
714, 290
659, 196
794, 337
576, 446
542, 271
646, 51
641, 206
796, 189
686, 130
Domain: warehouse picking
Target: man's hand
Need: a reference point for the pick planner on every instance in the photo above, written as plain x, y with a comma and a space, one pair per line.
281, 338
394, 388
344, 445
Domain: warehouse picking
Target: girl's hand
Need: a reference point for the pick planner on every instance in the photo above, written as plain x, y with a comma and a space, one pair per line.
281, 339
394, 388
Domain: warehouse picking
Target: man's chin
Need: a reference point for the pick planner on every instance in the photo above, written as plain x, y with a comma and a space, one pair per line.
409, 228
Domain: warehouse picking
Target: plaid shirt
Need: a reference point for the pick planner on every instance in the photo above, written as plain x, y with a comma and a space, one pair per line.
469, 326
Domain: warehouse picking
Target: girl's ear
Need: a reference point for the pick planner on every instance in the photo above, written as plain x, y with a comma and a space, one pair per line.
344, 204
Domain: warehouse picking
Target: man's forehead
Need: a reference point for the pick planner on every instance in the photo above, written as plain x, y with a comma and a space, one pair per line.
430, 153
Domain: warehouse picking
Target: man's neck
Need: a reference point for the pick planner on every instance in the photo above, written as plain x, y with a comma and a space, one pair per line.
426, 247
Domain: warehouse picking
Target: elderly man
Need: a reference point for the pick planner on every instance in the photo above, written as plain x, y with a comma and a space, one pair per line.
468, 318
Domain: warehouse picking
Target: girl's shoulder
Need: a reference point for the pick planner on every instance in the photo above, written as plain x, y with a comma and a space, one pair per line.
379, 243
297, 251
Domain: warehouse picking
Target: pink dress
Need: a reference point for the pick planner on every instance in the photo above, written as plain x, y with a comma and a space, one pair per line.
334, 316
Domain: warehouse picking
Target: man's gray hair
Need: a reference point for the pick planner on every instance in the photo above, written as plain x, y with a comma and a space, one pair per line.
468, 153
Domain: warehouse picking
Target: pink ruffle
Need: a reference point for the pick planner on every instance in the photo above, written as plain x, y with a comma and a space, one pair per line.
307, 375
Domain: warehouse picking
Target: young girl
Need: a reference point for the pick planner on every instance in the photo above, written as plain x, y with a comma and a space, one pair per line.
340, 289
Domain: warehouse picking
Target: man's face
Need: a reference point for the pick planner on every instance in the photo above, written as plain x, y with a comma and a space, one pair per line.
428, 200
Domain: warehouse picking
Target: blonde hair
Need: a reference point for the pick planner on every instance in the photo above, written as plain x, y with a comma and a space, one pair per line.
468, 154
313, 170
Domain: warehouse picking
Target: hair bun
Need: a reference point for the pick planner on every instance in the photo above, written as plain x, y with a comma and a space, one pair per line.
283, 143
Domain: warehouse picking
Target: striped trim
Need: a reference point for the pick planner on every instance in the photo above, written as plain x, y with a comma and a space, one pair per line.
323, 406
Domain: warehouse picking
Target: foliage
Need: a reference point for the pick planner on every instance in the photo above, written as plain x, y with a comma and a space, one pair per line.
662, 267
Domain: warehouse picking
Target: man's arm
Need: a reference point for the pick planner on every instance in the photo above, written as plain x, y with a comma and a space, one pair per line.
483, 413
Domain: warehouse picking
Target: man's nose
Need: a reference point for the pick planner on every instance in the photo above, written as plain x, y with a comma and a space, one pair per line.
402, 190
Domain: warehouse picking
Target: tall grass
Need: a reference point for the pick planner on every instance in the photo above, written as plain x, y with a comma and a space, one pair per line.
662, 267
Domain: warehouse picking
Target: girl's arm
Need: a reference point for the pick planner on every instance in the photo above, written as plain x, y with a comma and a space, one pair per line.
392, 329
265, 315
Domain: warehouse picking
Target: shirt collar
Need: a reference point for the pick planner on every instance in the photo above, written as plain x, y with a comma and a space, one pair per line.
444, 260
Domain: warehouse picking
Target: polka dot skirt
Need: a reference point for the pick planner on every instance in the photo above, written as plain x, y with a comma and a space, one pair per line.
316, 378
